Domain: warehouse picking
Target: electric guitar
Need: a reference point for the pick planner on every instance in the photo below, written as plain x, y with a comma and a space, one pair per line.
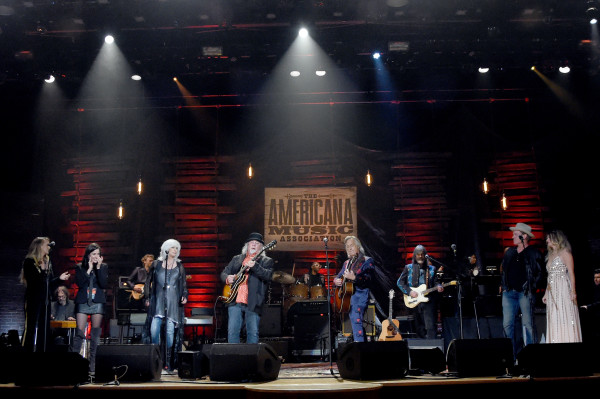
411, 302
389, 327
230, 291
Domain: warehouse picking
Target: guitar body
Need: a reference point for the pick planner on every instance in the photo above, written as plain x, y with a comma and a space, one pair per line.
422, 292
411, 302
343, 294
388, 332
137, 295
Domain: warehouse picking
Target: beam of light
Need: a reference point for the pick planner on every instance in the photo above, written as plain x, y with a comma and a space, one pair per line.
561, 93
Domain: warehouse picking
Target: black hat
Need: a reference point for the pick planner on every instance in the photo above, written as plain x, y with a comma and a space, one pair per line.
256, 236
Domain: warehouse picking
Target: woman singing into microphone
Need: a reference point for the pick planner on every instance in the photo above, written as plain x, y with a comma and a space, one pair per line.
91, 276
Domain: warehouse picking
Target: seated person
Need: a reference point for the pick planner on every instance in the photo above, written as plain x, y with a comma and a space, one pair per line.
62, 309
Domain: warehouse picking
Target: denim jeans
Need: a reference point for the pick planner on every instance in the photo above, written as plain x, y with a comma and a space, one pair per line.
512, 301
155, 331
236, 314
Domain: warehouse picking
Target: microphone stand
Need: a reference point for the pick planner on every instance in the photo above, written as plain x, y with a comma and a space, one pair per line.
328, 308
165, 306
459, 299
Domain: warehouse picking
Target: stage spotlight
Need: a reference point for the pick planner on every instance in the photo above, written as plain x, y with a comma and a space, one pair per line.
483, 69
108, 39
136, 77
320, 73
592, 11
303, 32
295, 74
376, 55
50, 79
564, 69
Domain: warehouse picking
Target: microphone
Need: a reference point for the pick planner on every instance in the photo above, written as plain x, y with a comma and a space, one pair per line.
521, 238
427, 257
453, 246
51, 244
325, 240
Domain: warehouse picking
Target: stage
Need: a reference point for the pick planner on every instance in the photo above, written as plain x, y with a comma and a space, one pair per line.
366, 370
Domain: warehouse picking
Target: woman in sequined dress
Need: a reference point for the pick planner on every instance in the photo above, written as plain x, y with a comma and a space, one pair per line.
562, 315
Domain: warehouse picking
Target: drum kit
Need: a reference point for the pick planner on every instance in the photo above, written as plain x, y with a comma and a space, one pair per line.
296, 291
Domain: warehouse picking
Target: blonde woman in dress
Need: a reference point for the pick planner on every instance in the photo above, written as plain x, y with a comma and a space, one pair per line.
562, 315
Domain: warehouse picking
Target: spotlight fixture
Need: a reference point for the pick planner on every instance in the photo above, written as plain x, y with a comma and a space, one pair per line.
483, 69
49, 79
303, 32
564, 69
376, 55
592, 11
108, 39
320, 73
294, 74
136, 77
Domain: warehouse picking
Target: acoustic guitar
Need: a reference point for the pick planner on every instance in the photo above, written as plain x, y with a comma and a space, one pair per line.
137, 295
230, 291
411, 302
389, 327
344, 293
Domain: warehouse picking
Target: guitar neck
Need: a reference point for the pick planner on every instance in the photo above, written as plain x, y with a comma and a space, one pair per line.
427, 291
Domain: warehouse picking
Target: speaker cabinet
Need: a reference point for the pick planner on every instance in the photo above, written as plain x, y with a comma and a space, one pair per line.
243, 362
480, 357
137, 362
50, 369
426, 355
270, 321
379, 360
557, 360
194, 364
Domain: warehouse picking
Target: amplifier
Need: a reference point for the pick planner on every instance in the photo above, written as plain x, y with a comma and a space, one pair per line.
308, 307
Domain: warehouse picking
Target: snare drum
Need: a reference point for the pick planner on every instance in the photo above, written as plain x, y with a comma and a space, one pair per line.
317, 292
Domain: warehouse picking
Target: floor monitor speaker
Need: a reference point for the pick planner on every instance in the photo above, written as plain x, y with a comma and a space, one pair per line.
480, 357
243, 362
556, 360
378, 360
51, 369
194, 364
136, 362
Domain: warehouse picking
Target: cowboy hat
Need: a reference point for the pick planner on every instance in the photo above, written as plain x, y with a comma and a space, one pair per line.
525, 228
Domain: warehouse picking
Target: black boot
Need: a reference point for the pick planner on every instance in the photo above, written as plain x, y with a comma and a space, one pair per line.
95, 340
78, 340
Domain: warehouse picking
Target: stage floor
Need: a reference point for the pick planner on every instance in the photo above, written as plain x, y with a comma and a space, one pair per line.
322, 380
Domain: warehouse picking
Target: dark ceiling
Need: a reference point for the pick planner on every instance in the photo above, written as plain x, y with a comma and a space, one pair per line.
166, 37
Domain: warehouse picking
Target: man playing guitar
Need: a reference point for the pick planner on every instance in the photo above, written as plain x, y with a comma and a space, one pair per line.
415, 274
356, 272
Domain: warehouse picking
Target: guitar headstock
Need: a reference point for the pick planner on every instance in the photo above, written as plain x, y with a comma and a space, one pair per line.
270, 245
391, 294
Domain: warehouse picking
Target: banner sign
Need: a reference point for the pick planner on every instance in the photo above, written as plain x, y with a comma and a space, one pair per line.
301, 218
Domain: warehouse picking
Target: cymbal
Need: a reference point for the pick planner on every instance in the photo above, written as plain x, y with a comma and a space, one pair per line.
283, 277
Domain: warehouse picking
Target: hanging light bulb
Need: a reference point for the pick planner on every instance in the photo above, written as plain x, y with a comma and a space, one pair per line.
250, 171
485, 186
369, 178
139, 186
121, 211
504, 202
